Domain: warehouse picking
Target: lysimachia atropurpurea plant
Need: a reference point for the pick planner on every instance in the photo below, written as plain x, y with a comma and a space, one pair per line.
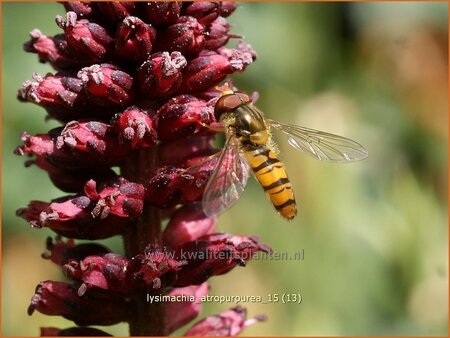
134, 89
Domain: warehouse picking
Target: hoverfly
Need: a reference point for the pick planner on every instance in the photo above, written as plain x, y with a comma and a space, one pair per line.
249, 146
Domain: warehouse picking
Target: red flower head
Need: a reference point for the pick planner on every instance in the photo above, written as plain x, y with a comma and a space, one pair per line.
134, 90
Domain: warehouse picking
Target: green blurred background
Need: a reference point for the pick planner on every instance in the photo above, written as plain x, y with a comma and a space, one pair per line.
374, 233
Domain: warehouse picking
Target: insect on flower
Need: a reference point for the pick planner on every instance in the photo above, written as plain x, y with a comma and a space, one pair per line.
249, 145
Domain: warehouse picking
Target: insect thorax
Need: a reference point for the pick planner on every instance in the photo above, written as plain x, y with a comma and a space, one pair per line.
247, 123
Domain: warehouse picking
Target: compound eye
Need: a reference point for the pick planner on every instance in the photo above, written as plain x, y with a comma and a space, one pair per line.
230, 102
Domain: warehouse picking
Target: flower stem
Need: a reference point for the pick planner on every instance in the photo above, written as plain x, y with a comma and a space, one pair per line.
146, 319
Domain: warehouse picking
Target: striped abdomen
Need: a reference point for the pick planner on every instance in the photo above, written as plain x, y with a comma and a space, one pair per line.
270, 173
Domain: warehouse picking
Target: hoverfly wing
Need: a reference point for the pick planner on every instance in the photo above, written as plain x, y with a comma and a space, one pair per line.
321, 145
228, 180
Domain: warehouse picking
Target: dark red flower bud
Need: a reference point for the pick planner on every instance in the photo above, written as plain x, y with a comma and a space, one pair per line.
171, 186
84, 136
86, 38
218, 34
156, 268
204, 11
227, 8
116, 11
61, 96
178, 151
43, 45
161, 12
95, 216
83, 9
187, 224
90, 146
107, 84
192, 181
87, 144
63, 217
57, 250
62, 299
162, 190
180, 313
53, 50
60, 251
209, 68
73, 331
32, 211
134, 39
214, 254
161, 74
136, 128
242, 51
185, 36
106, 272
118, 198
182, 116
40, 144
228, 323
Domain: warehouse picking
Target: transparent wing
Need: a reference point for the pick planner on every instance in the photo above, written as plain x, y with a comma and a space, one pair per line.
320, 145
228, 180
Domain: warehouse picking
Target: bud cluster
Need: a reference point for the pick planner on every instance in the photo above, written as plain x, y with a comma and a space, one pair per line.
132, 79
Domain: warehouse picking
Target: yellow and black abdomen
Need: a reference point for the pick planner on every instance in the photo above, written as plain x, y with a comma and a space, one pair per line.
271, 174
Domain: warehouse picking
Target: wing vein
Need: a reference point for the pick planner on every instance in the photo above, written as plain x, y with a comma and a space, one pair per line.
321, 145
228, 180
